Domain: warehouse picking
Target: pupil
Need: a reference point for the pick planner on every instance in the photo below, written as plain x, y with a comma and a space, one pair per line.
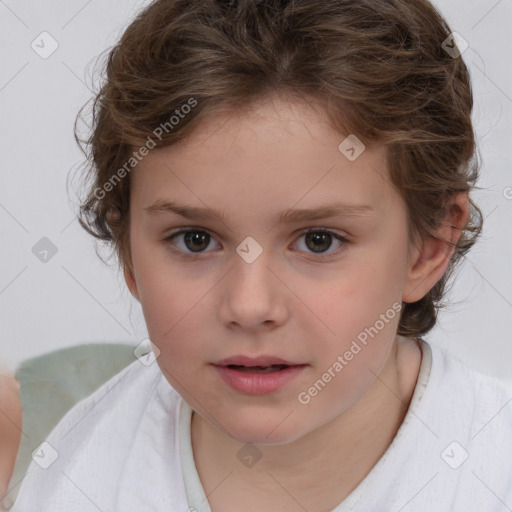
318, 237
320, 241
193, 237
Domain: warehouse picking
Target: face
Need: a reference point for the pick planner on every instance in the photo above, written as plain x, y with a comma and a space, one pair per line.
241, 282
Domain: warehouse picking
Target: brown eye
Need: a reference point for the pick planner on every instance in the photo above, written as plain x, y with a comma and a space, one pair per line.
319, 241
194, 240
191, 241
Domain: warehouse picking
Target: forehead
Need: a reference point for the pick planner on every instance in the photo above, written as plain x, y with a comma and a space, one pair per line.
274, 154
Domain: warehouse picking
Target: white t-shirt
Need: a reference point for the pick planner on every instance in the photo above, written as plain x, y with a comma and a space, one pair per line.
127, 448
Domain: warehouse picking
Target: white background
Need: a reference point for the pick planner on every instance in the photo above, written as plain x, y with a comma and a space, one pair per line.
74, 298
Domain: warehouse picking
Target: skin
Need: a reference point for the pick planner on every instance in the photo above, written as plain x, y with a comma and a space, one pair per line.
289, 302
10, 428
202, 307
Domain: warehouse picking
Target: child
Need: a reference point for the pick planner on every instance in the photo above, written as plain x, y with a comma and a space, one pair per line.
320, 154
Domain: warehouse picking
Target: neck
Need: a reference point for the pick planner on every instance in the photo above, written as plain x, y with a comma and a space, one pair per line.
332, 459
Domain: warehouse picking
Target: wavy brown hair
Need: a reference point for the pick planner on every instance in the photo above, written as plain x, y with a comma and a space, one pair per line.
378, 68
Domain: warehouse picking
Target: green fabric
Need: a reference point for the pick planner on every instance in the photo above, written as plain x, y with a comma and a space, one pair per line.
53, 383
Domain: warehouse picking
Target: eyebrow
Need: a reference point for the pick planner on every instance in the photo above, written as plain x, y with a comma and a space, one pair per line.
288, 216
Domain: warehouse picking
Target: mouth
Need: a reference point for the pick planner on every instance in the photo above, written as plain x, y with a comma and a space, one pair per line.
263, 361
258, 369
257, 376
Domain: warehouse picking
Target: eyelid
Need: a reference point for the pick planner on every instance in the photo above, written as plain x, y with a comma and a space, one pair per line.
343, 238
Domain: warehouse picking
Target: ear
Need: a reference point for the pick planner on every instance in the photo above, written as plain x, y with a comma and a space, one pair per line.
130, 281
429, 260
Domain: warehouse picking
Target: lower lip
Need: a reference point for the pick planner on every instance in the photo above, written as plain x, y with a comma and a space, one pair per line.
258, 383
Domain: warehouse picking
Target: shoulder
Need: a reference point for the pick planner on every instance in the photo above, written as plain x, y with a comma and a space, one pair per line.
455, 437
47, 387
466, 394
135, 380
471, 413
450, 369
116, 406
121, 429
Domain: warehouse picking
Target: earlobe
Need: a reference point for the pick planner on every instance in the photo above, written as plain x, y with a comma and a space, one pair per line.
130, 281
431, 259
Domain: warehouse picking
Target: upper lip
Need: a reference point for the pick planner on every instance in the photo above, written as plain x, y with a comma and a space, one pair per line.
254, 361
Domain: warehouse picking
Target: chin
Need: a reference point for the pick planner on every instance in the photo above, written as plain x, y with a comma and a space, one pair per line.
258, 431
261, 438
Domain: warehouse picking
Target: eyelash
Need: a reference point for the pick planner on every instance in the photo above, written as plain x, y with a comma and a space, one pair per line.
340, 238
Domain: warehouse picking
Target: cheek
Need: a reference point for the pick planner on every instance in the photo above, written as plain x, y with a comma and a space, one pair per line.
380, 274
169, 310
175, 308
361, 305
164, 298
353, 296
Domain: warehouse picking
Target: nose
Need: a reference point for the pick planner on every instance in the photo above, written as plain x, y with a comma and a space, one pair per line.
253, 296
